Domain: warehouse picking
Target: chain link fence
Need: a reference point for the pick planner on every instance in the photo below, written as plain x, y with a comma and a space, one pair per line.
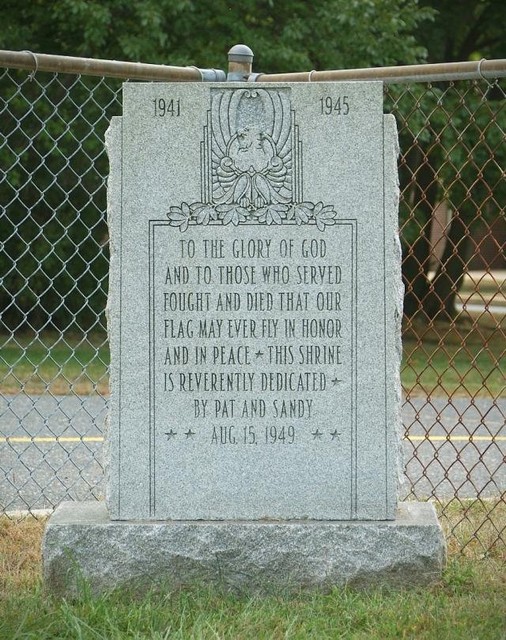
54, 267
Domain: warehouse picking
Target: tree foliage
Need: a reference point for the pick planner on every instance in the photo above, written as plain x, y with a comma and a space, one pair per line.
454, 150
286, 35
54, 158
53, 264
470, 31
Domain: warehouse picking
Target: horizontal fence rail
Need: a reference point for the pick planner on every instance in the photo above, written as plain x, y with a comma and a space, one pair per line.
442, 72
450, 71
54, 356
107, 68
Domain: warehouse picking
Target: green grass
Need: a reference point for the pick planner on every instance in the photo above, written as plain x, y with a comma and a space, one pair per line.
464, 605
437, 361
469, 601
59, 364
445, 360
475, 528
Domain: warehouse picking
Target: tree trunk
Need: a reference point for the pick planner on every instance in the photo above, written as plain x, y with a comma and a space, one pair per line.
423, 188
440, 302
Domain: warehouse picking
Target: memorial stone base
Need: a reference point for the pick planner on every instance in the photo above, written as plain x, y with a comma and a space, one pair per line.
82, 544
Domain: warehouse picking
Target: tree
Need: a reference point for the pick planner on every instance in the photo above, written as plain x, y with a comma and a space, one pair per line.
56, 276
454, 148
286, 35
474, 31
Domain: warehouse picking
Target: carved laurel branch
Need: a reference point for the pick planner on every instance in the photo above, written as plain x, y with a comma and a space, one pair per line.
301, 212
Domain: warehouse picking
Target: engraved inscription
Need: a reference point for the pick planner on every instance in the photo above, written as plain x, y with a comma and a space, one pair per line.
332, 106
163, 107
253, 337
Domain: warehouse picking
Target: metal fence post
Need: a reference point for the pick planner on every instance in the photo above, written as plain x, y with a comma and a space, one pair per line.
240, 61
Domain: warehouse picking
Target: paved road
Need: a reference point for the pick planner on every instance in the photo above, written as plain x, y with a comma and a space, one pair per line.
37, 471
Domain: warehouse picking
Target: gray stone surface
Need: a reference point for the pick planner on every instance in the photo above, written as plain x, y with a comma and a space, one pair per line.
254, 303
252, 557
254, 315
439, 468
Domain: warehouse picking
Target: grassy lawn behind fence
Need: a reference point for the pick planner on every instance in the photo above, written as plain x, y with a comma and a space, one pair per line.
461, 361
469, 602
58, 364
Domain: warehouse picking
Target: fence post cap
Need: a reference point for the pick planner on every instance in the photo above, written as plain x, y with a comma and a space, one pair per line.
240, 53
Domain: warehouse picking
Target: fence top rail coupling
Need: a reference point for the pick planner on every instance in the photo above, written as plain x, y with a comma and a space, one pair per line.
108, 68
240, 61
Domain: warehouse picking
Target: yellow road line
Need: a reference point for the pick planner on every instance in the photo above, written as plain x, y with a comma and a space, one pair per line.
43, 439
457, 438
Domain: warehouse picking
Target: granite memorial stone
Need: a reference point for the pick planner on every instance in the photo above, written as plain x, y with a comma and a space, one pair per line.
254, 319
255, 304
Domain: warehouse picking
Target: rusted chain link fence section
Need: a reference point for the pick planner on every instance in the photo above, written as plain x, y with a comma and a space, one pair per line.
54, 266
453, 232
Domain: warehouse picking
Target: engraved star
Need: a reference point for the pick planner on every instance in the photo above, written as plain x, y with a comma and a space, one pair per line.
189, 434
170, 434
317, 435
259, 354
335, 435
335, 381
